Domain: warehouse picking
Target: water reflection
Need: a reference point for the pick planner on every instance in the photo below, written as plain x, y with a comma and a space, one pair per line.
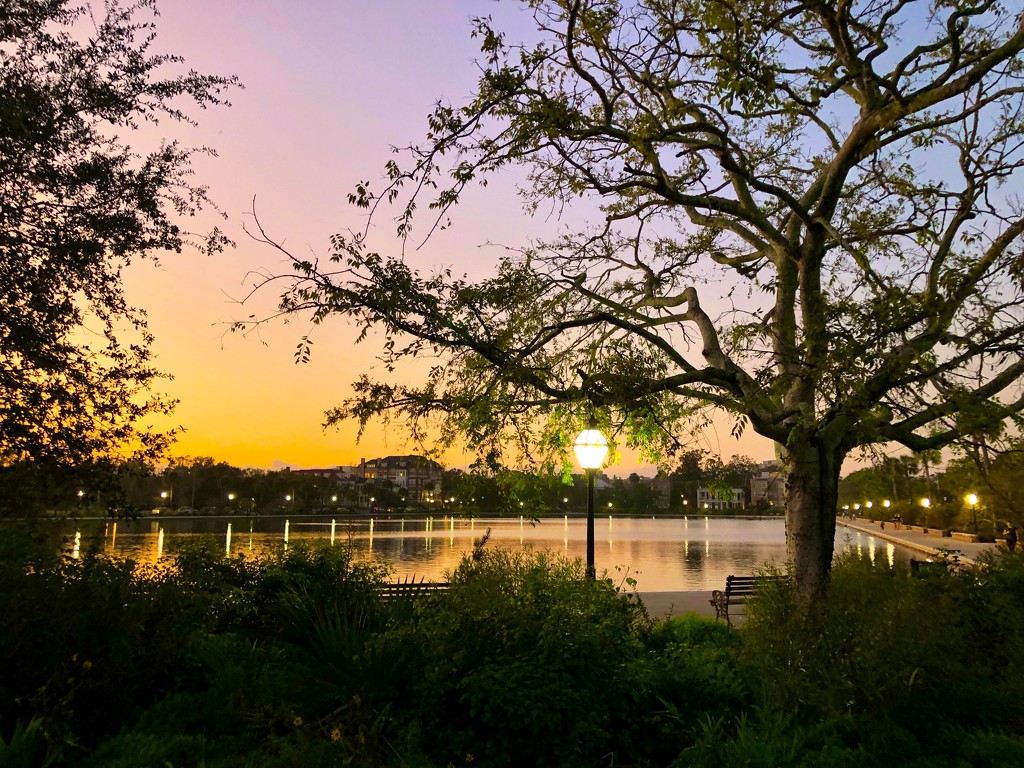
663, 554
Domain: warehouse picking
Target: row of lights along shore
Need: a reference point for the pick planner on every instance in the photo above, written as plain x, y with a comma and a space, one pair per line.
970, 498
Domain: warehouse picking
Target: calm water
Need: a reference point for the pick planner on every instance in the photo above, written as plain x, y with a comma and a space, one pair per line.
664, 554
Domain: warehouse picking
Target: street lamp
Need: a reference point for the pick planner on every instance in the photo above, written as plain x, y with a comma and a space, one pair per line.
972, 500
591, 448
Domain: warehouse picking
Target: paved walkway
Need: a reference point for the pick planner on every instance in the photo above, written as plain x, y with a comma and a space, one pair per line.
913, 537
663, 604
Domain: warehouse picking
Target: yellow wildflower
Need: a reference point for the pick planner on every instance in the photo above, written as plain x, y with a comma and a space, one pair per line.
297, 722
336, 735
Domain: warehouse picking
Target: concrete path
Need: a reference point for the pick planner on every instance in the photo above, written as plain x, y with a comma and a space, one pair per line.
913, 537
661, 605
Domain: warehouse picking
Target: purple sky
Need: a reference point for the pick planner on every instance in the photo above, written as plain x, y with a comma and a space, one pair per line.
329, 86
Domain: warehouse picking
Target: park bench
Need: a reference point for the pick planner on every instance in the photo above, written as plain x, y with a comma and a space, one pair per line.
411, 588
738, 589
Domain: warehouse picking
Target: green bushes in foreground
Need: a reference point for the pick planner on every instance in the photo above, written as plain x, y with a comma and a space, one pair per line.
295, 661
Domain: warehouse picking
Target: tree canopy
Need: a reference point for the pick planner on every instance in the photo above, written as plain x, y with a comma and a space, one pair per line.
77, 205
806, 222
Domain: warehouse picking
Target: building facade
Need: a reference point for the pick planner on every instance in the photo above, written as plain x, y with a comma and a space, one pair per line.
768, 488
708, 499
419, 476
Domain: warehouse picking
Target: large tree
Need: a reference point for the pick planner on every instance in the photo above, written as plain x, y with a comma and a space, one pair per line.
807, 222
77, 204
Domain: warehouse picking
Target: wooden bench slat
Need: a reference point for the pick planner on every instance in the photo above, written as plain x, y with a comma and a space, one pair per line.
737, 590
412, 588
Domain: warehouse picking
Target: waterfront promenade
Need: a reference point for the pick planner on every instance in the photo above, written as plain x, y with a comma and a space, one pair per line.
924, 541
924, 544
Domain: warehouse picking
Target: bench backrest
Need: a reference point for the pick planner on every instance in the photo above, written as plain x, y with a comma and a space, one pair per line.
412, 588
744, 586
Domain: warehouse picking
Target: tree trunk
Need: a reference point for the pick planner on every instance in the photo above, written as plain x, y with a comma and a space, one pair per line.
812, 494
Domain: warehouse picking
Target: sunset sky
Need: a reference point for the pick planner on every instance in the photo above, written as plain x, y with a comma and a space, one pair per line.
329, 87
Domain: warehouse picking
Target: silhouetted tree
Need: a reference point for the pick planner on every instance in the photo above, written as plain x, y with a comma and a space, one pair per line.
834, 168
78, 204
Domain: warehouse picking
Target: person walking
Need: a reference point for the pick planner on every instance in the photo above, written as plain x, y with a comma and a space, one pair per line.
1011, 538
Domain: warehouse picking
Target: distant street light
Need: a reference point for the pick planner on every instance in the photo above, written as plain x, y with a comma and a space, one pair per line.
926, 502
591, 448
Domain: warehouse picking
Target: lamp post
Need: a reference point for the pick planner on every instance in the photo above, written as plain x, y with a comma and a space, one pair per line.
591, 448
972, 500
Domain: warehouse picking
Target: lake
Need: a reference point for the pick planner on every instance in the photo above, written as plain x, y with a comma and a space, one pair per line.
662, 554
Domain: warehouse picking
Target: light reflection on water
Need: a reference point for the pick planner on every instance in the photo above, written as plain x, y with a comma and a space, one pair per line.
664, 554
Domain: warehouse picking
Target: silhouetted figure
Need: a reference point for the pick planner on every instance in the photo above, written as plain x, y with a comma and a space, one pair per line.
1011, 538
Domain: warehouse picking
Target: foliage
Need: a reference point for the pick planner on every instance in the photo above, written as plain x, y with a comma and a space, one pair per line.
89, 643
524, 661
295, 661
77, 205
891, 669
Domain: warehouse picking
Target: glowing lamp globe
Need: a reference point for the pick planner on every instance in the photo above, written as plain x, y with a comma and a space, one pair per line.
591, 447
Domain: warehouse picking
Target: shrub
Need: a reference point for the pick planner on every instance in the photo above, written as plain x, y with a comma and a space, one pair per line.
522, 662
691, 674
891, 669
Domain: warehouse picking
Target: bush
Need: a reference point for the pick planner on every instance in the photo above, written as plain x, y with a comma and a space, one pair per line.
889, 669
87, 644
295, 660
522, 662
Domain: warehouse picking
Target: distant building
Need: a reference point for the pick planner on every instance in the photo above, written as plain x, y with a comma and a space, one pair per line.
707, 499
662, 488
417, 475
340, 475
768, 488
